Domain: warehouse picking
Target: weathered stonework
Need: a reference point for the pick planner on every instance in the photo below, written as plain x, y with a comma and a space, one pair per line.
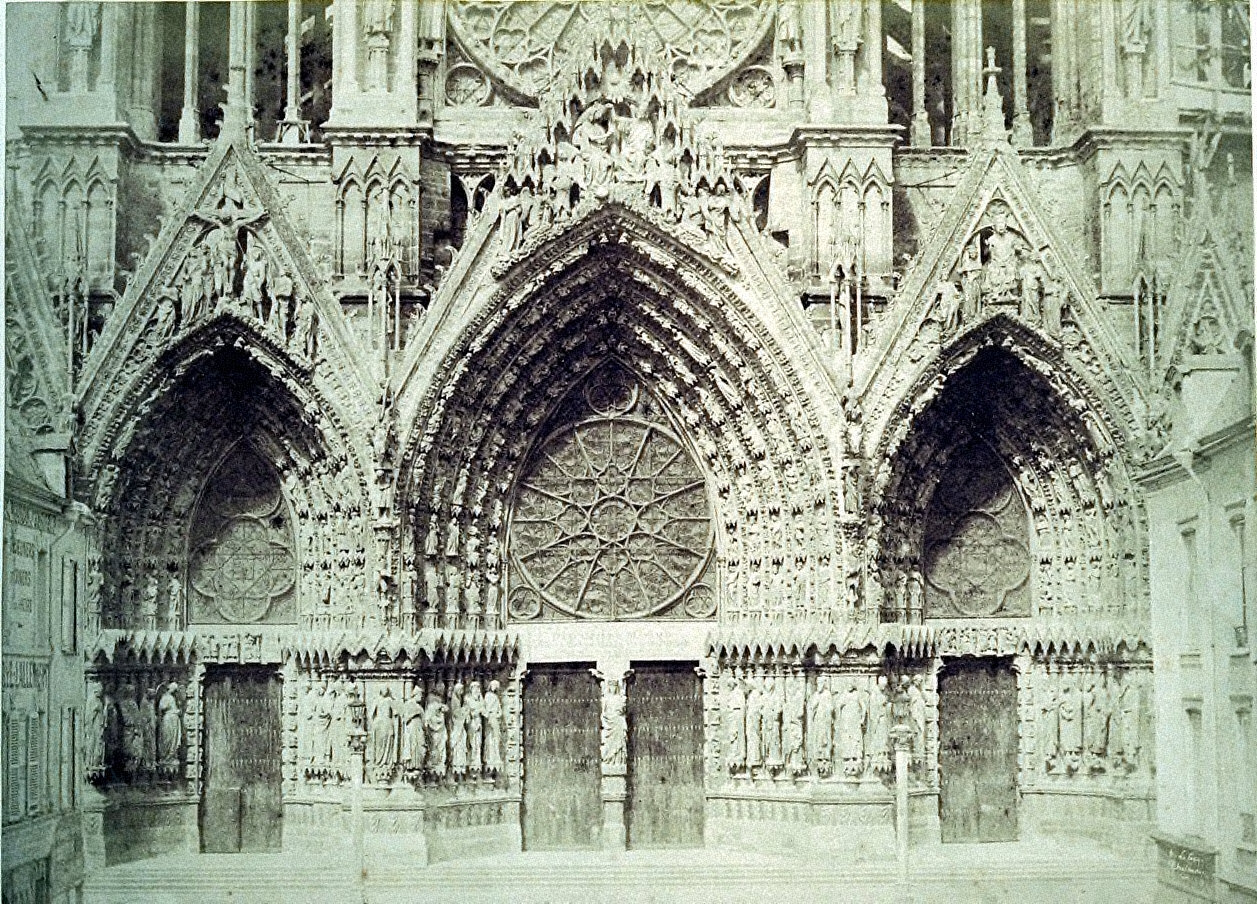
493, 412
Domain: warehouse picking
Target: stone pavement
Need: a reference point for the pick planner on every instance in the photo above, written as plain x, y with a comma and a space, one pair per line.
1028, 872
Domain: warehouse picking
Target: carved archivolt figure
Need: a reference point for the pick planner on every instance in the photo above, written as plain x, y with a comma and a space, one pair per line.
475, 727
1127, 717
1096, 719
771, 722
309, 749
1070, 716
129, 728
148, 730
1048, 728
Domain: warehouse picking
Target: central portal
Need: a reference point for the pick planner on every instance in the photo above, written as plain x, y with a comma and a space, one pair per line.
665, 756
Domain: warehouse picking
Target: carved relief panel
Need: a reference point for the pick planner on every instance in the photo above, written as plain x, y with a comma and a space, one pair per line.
611, 518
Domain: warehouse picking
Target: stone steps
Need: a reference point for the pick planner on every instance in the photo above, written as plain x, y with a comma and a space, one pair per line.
987, 874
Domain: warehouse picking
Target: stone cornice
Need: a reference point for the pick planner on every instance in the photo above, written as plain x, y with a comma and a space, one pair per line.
1165, 469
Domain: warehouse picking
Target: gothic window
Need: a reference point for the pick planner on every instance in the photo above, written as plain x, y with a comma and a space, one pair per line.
524, 43
977, 549
242, 564
611, 517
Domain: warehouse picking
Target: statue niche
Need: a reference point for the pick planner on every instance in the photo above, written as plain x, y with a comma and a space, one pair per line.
611, 517
242, 564
976, 543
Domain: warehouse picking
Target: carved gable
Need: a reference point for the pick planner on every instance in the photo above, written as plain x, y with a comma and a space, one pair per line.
228, 253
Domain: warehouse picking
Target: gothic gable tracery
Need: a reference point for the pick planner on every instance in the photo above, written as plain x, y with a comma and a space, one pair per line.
592, 296
227, 254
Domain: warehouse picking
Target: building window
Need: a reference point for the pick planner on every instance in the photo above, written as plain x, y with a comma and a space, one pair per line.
69, 606
14, 767
35, 775
1189, 624
1241, 547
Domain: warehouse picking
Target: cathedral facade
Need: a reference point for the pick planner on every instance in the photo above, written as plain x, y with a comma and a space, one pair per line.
479, 427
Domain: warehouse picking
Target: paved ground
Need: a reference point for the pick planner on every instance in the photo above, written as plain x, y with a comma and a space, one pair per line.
1024, 873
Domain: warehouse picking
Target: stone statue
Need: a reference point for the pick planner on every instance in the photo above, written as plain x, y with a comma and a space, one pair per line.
879, 728
773, 705
793, 715
322, 747
821, 726
917, 715
414, 743
1137, 24
383, 735
848, 25
256, 271
733, 716
129, 722
754, 724
511, 227
1030, 272
1127, 718
309, 750
1096, 717
225, 253
492, 730
377, 17
971, 282
474, 706
949, 298
169, 730
305, 336
999, 276
437, 731
852, 717
94, 736
1069, 714
614, 724
458, 732
1048, 727
82, 22
148, 731
789, 35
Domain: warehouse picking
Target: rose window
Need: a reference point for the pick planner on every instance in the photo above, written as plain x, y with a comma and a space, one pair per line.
611, 517
524, 44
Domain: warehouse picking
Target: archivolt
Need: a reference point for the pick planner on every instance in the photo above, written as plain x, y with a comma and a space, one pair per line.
217, 388
746, 413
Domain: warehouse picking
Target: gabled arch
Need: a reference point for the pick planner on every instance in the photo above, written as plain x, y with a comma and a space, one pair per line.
219, 386
614, 285
1047, 425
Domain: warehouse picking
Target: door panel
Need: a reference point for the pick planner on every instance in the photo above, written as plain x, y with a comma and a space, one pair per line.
241, 809
562, 806
977, 712
665, 756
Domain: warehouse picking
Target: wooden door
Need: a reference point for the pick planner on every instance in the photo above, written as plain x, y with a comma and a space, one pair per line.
242, 807
977, 715
562, 806
665, 756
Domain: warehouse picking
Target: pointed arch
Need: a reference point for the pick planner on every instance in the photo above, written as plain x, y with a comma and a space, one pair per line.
218, 387
1006, 387
613, 286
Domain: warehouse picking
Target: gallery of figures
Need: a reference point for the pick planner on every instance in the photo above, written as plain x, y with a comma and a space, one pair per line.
494, 427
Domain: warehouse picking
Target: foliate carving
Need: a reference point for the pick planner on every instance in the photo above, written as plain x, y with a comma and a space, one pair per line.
611, 519
243, 566
525, 44
467, 86
977, 555
754, 87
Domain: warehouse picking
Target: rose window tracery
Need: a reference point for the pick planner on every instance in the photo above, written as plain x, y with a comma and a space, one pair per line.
611, 517
242, 566
977, 553
525, 44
